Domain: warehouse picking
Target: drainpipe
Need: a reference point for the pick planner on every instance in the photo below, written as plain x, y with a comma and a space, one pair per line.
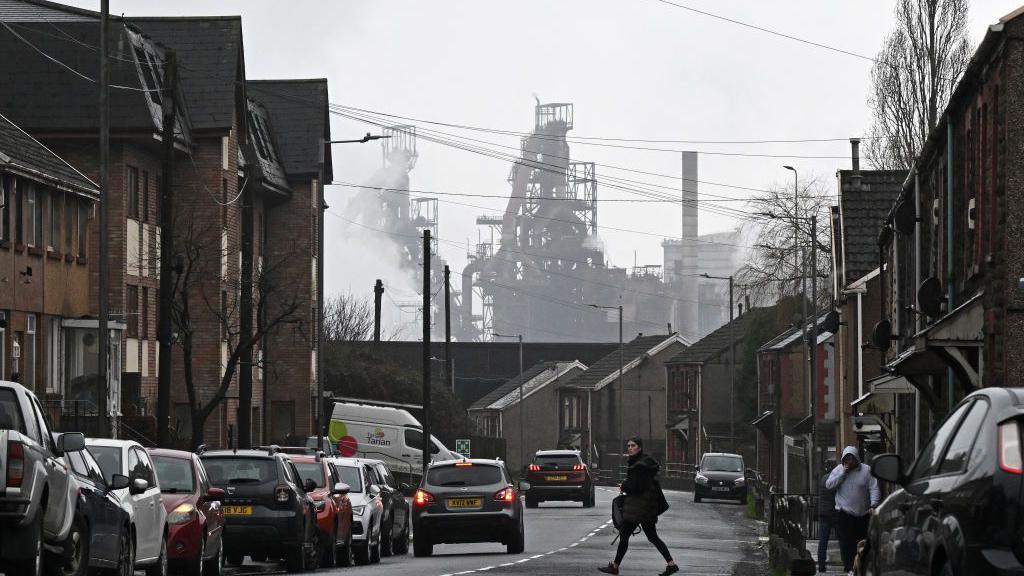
949, 247
917, 282
860, 338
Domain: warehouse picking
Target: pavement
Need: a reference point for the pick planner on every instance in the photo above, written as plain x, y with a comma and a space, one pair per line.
711, 538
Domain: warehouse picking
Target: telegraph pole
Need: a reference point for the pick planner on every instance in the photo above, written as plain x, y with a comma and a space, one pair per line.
448, 370
814, 346
164, 323
104, 335
378, 291
427, 442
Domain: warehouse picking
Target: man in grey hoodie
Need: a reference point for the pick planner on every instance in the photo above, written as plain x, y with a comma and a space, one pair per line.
857, 495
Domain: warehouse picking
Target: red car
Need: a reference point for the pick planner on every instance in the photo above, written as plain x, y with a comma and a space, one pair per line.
195, 520
333, 509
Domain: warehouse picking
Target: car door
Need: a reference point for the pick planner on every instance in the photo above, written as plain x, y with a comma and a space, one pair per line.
147, 539
413, 448
114, 514
398, 508
154, 497
209, 508
924, 488
57, 516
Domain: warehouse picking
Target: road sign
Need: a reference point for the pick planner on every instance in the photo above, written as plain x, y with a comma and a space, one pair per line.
462, 446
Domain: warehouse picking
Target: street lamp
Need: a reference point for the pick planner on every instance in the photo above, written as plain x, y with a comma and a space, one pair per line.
622, 442
732, 364
320, 424
522, 408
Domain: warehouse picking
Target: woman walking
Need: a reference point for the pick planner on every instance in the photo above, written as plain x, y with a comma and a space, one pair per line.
641, 507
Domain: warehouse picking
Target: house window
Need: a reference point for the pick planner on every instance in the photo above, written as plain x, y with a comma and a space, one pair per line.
29, 352
282, 420
83, 217
131, 316
5, 208
53, 219
224, 202
145, 196
69, 230
18, 189
566, 406
132, 189
145, 313
35, 216
53, 371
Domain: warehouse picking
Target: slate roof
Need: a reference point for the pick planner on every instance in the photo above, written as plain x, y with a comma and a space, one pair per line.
28, 157
714, 343
209, 51
299, 111
609, 365
262, 155
793, 336
39, 10
863, 210
512, 384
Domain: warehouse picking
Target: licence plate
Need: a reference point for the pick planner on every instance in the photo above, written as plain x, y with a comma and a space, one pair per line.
720, 489
562, 477
464, 503
237, 510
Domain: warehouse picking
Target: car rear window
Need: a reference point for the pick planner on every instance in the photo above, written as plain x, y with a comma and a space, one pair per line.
231, 470
722, 464
473, 475
350, 476
557, 460
314, 472
10, 412
109, 459
174, 474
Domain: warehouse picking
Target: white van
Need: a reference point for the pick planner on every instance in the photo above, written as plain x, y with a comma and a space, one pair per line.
383, 433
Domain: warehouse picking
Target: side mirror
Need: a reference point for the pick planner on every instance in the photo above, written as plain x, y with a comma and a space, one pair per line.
341, 488
524, 486
309, 485
138, 486
888, 467
215, 494
118, 482
374, 490
71, 442
407, 490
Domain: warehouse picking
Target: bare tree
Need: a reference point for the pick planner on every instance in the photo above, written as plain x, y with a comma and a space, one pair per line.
913, 77
348, 318
782, 251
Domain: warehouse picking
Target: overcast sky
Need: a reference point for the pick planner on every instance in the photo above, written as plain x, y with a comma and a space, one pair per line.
633, 68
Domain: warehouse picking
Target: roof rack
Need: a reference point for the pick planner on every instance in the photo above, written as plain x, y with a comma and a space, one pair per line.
201, 449
272, 449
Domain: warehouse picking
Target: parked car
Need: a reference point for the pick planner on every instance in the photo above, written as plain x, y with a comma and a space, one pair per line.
268, 513
195, 518
467, 501
104, 540
720, 476
959, 509
396, 524
141, 498
559, 475
333, 508
36, 490
367, 509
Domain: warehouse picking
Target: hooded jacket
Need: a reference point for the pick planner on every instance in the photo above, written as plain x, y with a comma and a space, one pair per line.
641, 504
856, 490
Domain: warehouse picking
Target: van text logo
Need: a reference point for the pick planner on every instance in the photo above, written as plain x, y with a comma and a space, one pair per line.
376, 438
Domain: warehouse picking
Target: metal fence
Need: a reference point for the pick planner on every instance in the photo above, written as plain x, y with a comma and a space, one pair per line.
83, 416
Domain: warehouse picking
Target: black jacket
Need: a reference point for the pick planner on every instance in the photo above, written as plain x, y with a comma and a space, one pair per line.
826, 498
642, 497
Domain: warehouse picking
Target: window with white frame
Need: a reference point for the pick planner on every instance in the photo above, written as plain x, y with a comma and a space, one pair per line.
53, 356
6, 182
28, 352
34, 216
53, 220
3, 345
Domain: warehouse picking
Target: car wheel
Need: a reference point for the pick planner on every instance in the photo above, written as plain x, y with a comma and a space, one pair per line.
160, 567
198, 567
215, 566
422, 547
313, 551
517, 542
375, 550
126, 555
32, 566
696, 497
329, 549
401, 545
346, 552
295, 559
385, 538
76, 563
361, 553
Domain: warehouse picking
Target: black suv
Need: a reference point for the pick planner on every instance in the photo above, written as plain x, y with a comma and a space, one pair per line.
267, 511
960, 508
559, 475
396, 525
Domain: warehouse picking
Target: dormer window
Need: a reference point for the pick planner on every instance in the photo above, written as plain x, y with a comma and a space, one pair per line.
149, 68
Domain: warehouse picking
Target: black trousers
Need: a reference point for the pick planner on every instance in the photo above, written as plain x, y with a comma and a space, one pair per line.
852, 529
650, 531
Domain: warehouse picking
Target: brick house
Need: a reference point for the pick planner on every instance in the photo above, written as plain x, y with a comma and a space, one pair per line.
498, 414
47, 210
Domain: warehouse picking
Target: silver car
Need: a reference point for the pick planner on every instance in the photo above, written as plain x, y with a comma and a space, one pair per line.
367, 508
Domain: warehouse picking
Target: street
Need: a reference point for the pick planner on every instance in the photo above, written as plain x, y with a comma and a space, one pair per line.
563, 538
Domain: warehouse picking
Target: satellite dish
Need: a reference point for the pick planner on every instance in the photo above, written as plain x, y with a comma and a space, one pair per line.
881, 335
905, 217
930, 297
831, 322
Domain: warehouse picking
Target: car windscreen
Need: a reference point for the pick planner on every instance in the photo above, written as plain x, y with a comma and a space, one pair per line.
175, 474
232, 470
10, 412
109, 459
350, 476
561, 460
473, 475
311, 471
722, 464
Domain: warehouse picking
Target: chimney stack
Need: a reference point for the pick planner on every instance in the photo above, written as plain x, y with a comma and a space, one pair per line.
855, 159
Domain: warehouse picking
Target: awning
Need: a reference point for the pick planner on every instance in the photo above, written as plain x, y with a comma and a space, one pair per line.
891, 383
874, 403
802, 427
764, 422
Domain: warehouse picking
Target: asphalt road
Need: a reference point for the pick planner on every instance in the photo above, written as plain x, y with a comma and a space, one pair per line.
712, 538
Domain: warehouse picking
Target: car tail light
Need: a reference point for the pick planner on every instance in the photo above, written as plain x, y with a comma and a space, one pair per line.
15, 464
282, 494
534, 468
463, 464
579, 467
505, 495
1009, 448
422, 497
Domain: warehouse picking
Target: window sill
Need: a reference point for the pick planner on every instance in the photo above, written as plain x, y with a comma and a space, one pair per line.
69, 258
35, 251
82, 260
53, 255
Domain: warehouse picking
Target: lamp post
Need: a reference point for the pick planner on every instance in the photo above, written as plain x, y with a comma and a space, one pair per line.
522, 408
322, 206
732, 364
619, 409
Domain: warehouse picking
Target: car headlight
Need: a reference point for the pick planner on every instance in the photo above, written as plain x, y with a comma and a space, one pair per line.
358, 510
701, 479
183, 514
740, 481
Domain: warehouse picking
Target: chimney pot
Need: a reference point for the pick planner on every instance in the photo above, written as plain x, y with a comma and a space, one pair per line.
855, 153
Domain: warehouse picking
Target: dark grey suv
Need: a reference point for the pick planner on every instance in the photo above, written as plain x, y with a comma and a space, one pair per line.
467, 501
